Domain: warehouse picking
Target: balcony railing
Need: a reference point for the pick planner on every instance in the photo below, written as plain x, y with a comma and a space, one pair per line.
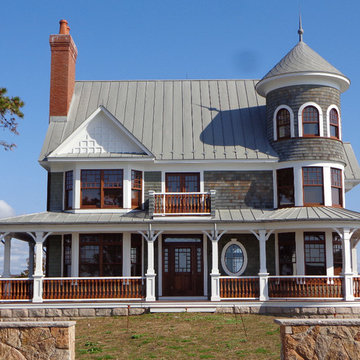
180, 203
305, 287
94, 288
234, 287
16, 289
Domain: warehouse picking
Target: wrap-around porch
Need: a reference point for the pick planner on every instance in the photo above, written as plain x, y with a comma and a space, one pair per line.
148, 282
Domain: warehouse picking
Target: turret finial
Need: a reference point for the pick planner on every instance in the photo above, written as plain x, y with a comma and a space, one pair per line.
300, 31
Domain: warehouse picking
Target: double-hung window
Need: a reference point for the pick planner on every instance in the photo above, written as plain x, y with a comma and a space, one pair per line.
313, 186
68, 190
336, 187
285, 187
334, 123
310, 119
101, 188
283, 124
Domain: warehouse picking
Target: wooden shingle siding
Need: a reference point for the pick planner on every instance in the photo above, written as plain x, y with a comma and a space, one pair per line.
152, 181
55, 191
53, 255
240, 189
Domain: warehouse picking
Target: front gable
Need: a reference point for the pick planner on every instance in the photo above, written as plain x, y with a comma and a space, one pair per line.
102, 134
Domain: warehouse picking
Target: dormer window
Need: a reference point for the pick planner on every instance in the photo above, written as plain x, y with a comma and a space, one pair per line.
310, 121
334, 123
101, 189
283, 124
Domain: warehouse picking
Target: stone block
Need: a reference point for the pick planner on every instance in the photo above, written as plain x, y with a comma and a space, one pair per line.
103, 312
6, 313
34, 313
20, 313
119, 311
254, 309
136, 311
309, 311
326, 311
61, 336
224, 310
70, 313
343, 310
87, 312
53, 313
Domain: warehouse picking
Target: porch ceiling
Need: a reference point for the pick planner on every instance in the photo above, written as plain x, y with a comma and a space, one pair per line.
232, 216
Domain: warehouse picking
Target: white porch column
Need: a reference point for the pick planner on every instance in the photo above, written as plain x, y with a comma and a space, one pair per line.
263, 236
127, 188
38, 271
7, 255
31, 259
347, 271
214, 237
74, 254
150, 237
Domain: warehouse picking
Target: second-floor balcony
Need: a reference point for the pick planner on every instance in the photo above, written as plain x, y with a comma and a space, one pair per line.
181, 203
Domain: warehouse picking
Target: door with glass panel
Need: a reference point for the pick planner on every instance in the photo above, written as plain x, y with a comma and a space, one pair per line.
182, 266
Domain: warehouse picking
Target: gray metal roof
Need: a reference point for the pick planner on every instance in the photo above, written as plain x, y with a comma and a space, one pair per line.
176, 119
301, 58
322, 214
352, 169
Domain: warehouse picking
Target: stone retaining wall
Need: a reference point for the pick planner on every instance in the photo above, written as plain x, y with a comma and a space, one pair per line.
330, 339
37, 340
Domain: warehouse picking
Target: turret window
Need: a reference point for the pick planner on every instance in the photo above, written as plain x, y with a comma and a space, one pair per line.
283, 124
313, 186
334, 123
310, 120
336, 187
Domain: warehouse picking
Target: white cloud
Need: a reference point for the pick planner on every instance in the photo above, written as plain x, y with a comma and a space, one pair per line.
19, 255
6, 210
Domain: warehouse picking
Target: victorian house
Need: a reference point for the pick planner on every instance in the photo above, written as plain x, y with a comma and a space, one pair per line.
192, 189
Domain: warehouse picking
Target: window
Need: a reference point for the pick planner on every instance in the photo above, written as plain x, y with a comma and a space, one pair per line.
136, 255
313, 186
182, 182
336, 187
234, 258
334, 123
285, 187
100, 255
101, 188
68, 190
310, 119
283, 124
314, 244
67, 256
136, 189
287, 254
337, 254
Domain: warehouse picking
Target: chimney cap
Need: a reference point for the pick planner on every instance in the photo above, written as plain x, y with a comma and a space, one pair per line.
64, 27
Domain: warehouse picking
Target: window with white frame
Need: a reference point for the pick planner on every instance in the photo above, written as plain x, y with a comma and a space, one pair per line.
334, 124
310, 121
234, 258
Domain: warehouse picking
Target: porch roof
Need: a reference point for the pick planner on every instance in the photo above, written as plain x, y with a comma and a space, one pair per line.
243, 216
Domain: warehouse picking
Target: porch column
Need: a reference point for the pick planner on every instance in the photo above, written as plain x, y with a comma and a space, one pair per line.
347, 271
38, 271
150, 237
263, 236
75, 254
214, 237
31, 259
7, 254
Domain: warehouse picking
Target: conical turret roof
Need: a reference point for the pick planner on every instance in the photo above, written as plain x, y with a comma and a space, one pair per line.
301, 58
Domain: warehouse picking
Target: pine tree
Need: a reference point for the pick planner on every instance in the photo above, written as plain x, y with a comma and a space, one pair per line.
9, 113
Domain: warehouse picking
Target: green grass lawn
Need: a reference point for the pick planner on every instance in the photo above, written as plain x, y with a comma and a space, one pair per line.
178, 336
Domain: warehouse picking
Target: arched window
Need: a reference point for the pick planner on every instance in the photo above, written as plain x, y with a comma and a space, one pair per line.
334, 123
310, 120
283, 124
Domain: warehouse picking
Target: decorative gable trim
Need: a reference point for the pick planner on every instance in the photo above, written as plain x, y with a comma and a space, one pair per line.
89, 143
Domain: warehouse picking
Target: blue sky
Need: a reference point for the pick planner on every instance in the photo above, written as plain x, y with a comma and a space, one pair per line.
167, 39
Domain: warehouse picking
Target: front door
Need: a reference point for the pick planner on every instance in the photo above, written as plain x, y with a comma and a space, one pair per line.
182, 265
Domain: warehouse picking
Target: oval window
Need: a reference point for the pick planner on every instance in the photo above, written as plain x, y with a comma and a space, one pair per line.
234, 259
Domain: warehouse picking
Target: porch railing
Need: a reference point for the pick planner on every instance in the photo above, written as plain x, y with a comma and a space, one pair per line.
234, 287
356, 287
305, 287
16, 289
180, 203
93, 288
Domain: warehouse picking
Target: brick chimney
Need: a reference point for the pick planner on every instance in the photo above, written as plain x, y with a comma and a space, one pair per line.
62, 77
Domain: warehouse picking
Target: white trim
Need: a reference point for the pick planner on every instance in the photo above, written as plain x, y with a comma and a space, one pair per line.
336, 81
329, 253
223, 264
300, 249
333, 106
292, 132
321, 120
88, 120
126, 249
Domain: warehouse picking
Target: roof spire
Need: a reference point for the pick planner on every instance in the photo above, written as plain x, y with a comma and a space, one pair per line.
300, 31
